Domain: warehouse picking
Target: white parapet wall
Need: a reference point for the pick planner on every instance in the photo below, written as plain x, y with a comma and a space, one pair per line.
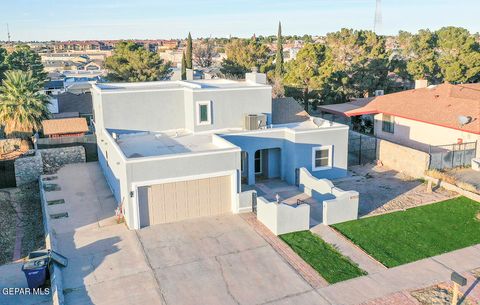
312, 186
282, 218
338, 205
343, 208
245, 201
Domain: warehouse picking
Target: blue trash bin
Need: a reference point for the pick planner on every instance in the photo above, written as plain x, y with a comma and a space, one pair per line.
36, 272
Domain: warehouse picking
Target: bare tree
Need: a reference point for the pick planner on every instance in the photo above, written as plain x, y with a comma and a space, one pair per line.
203, 54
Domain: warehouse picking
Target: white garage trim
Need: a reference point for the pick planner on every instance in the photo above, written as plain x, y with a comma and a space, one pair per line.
233, 191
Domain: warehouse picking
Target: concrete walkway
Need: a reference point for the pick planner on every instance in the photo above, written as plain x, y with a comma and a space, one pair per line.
347, 248
415, 275
107, 263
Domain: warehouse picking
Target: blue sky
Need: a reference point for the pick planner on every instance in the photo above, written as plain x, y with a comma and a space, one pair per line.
122, 19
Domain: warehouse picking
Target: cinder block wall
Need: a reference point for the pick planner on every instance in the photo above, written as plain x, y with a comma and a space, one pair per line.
404, 159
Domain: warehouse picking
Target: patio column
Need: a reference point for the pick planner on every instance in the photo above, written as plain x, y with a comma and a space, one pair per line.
251, 168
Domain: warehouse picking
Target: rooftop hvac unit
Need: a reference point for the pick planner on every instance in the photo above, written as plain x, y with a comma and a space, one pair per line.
255, 121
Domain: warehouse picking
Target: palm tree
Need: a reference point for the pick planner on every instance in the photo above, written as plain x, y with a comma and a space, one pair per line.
22, 105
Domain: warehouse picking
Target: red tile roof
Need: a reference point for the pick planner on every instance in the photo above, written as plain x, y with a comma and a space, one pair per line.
64, 126
438, 105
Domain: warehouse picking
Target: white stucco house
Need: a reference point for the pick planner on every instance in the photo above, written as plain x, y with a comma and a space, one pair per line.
173, 150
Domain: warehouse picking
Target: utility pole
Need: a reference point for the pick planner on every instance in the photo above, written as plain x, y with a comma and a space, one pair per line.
377, 26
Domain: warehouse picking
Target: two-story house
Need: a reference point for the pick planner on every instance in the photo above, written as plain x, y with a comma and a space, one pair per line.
174, 150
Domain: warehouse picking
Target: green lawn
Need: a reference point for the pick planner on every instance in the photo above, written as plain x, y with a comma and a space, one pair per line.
333, 266
402, 237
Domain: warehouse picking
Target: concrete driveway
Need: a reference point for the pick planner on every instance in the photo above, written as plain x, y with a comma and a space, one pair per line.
214, 260
220, 260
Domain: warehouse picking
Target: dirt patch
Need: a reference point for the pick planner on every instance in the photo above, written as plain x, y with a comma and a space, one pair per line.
464, 178
384, 190
32, 218
437, 295
27, 197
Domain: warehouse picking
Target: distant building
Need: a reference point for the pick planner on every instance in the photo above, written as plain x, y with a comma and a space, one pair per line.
86, 45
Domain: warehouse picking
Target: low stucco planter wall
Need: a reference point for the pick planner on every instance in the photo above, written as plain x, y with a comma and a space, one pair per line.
283, 218
338, 205
343, 208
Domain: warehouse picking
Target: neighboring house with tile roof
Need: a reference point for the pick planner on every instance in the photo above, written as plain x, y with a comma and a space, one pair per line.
69, 127
435, 115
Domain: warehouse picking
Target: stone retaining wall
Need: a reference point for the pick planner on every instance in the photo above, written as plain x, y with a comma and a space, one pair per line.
9, 145
28, 169
46, 161
54, 158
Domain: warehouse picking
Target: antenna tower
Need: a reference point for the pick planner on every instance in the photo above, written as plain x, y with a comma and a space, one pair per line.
378, 17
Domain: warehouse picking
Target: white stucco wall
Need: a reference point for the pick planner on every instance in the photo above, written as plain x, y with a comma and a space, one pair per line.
283, 218
342, 207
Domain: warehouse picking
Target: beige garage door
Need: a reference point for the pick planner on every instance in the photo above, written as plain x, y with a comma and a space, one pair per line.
175, 201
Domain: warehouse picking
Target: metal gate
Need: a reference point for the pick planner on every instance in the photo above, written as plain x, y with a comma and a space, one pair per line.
362, 149
453, 155
7, 174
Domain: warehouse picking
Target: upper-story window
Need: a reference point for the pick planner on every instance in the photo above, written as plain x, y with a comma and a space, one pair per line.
388, 123
204, 113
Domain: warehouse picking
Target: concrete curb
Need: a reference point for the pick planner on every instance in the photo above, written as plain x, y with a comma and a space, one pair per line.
50, 243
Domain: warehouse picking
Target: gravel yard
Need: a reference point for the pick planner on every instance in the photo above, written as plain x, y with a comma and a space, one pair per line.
20, 213
7, 227
384, 190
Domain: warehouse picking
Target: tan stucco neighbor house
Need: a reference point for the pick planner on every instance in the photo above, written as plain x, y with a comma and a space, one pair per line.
445, 114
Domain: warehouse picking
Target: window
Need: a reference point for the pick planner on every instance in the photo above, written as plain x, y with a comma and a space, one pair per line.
321, 157
258, 162
388, 123
204, 113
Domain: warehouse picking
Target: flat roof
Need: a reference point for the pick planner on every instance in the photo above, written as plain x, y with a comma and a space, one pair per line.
311, 124
149, 144
168, 85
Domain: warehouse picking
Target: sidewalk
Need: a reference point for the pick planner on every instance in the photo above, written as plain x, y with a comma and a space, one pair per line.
347, 248
411, 276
